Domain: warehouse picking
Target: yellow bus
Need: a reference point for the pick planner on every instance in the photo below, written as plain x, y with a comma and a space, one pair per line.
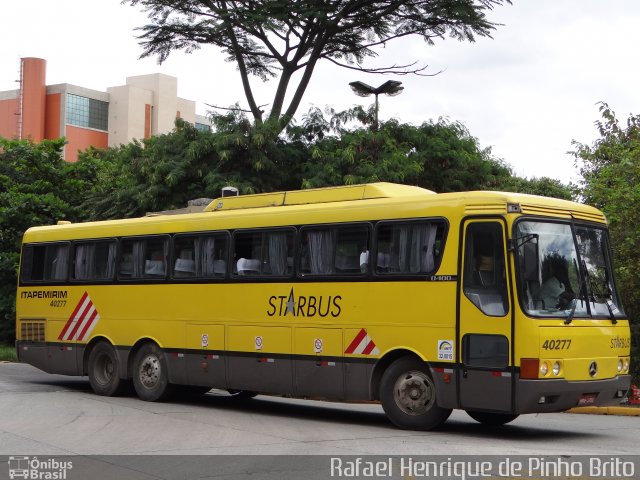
496, 303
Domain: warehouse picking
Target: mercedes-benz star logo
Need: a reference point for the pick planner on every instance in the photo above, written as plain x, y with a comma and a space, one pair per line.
593, 369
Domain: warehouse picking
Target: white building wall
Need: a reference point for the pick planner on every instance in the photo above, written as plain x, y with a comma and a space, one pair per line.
187, 109
127, 108
164, 89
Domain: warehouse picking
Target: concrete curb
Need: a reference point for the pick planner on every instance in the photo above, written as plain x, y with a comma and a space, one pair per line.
623, 411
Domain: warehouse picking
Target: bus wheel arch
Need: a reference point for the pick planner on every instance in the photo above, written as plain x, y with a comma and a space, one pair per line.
408, 395
382, 364
102, 365
149, 371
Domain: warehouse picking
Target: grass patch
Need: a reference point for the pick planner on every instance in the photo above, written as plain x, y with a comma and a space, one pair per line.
8, 353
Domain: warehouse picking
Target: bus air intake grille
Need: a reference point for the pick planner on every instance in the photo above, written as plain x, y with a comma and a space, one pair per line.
32, 331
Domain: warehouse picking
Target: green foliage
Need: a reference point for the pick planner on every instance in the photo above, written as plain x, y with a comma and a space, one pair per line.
165, 171
8, 353
37, 187
610, 170
441, 156
543, 186
286, 39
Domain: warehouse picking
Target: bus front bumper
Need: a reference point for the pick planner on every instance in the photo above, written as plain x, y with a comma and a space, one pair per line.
535, 396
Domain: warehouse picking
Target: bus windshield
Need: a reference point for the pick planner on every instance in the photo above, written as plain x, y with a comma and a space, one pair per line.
565, 271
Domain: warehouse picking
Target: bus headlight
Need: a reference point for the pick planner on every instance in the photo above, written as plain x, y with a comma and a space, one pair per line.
625, 365
544, 369
556, 369
620, 365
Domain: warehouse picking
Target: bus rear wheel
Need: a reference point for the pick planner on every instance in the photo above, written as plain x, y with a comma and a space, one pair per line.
150, 374
408, 396
104, 374
491, 419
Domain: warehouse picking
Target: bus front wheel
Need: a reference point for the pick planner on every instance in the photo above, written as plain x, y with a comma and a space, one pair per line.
408, 396
150, 375
104, 375
491, 419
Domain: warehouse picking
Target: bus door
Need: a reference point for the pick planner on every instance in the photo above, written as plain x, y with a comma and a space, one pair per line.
484, 319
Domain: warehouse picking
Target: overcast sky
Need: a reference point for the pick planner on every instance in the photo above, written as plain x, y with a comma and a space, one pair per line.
526, 93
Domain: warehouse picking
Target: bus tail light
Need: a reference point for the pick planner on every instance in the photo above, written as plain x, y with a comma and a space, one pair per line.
529, 368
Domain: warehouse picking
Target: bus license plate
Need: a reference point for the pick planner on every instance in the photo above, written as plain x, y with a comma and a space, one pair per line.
587, 399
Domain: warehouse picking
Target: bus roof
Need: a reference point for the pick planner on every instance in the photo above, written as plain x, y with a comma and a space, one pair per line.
374, 201
317, 195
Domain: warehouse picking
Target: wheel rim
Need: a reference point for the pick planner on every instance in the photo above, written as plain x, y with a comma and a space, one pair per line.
413, 393
149, 371
104, 369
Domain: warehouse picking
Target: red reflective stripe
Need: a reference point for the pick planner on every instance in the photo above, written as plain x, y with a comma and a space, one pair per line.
81, 317
68, 324
89, 323
356, 341
369, 348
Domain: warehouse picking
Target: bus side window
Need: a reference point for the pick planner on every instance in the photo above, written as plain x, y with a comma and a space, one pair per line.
264, 252
155, 260
42, 263
56, 263
409, 247
143, 257
484, 270
212, 253
184, 250
334, 250
94, 260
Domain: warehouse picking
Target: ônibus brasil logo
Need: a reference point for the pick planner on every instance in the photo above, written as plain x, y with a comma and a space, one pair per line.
35, 469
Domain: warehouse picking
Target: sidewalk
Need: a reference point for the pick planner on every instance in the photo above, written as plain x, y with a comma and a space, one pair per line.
621, 410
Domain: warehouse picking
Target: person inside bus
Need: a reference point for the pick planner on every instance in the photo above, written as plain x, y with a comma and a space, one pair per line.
555, 290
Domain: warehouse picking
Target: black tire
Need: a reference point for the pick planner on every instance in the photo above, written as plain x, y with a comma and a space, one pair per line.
492, 419
150, 374
242, 394
408, 396
103, 370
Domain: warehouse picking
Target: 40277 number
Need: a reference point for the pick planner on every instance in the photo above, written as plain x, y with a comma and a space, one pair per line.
58, 303
562, 344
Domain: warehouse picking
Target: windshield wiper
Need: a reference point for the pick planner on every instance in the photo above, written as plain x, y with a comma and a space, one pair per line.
612, 310
611, 307
569, 318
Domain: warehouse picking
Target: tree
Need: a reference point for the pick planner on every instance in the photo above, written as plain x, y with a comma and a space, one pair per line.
544, 186
287, 39
610, 170
440, 156
37, 187
165, 171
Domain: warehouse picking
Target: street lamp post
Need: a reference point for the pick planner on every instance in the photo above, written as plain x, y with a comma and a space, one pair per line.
390, 87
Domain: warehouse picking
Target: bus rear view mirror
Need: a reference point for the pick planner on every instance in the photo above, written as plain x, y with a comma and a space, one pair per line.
530, 261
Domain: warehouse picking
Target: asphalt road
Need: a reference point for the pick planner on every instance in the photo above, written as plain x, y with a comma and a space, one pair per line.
56, 415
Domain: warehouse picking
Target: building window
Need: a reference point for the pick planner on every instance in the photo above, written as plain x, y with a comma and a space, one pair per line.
203, 127
87, 112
